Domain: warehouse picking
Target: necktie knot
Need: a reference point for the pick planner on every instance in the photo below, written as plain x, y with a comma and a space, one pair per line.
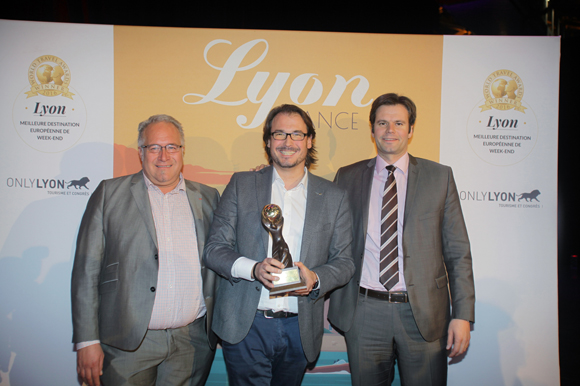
391, 169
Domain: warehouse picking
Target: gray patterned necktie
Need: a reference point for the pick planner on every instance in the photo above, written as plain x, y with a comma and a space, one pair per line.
389, 257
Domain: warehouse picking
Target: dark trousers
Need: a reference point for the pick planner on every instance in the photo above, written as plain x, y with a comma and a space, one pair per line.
271, 354
384, 333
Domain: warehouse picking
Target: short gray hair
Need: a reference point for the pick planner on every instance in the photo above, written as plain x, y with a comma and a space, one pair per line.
160, 118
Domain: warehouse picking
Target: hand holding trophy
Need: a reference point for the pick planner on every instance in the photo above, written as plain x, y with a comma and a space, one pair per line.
289, 279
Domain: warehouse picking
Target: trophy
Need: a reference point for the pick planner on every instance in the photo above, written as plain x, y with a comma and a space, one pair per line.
290, 279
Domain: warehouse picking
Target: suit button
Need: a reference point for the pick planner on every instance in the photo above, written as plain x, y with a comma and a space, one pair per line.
156, 256
152, 289
257, 288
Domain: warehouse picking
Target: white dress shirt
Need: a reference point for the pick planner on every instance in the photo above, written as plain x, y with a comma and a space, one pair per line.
293, 205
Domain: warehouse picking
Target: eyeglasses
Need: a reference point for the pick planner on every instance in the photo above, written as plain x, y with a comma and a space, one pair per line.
156, 149
281, 136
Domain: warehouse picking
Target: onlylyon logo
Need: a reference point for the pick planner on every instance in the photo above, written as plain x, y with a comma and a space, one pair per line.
503, 198
82, 183
51, 185
529, 197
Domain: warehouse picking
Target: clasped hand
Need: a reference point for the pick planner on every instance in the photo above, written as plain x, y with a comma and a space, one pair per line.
263, 272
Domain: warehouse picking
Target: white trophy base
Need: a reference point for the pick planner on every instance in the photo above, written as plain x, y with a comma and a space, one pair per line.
290, 281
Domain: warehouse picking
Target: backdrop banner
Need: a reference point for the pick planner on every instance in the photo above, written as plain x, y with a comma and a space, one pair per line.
57, 128
73, 96
499, 131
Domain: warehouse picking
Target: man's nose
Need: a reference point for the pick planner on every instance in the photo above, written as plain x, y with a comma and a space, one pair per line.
163, 154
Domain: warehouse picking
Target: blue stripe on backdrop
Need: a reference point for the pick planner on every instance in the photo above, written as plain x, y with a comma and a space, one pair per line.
218, 375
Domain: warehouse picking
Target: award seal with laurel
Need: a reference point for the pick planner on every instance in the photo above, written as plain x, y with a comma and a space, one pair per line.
503, 90
290, 279
504, 129
49, 75
49, 115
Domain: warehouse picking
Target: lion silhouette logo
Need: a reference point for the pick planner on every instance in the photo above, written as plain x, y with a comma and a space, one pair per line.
82, 183
533, 195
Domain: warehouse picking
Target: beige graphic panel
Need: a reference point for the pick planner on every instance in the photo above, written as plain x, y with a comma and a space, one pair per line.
220, 84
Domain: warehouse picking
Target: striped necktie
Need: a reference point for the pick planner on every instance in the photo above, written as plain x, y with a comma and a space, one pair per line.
389, 257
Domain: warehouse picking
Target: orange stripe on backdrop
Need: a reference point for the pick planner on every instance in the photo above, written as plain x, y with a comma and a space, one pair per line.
220, 84
127, 162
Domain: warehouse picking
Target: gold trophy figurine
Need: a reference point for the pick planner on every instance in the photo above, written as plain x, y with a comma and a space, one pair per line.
290, 279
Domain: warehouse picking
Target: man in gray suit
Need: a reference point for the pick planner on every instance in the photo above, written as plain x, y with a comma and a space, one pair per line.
269, 340
412, 257
142, 299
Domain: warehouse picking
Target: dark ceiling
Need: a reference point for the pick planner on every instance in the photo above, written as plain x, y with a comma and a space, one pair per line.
479, 17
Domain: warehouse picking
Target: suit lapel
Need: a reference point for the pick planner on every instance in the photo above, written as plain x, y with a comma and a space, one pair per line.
314, 206
365, 195
263, 197
412, 182
139, 192
196, 204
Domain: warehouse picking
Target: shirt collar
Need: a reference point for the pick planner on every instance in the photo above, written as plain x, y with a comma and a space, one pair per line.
402, 163
303, 184
180, 185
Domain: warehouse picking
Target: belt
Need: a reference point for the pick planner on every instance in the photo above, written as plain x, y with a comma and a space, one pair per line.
391, 297
269, 314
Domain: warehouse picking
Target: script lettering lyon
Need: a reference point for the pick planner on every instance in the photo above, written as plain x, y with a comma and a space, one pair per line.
233, 65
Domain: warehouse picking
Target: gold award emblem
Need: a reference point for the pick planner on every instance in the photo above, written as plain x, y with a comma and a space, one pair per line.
49, 76
503, 90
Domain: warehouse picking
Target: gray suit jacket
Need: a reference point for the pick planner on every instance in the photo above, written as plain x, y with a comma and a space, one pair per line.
115, 269
437, 256
237, 231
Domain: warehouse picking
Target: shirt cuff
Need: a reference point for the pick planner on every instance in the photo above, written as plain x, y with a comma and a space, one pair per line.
317, 286
80, 345
242, 268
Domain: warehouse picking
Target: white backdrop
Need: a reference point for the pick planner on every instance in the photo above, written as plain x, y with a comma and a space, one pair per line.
501, 156
40, 212
514, 238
